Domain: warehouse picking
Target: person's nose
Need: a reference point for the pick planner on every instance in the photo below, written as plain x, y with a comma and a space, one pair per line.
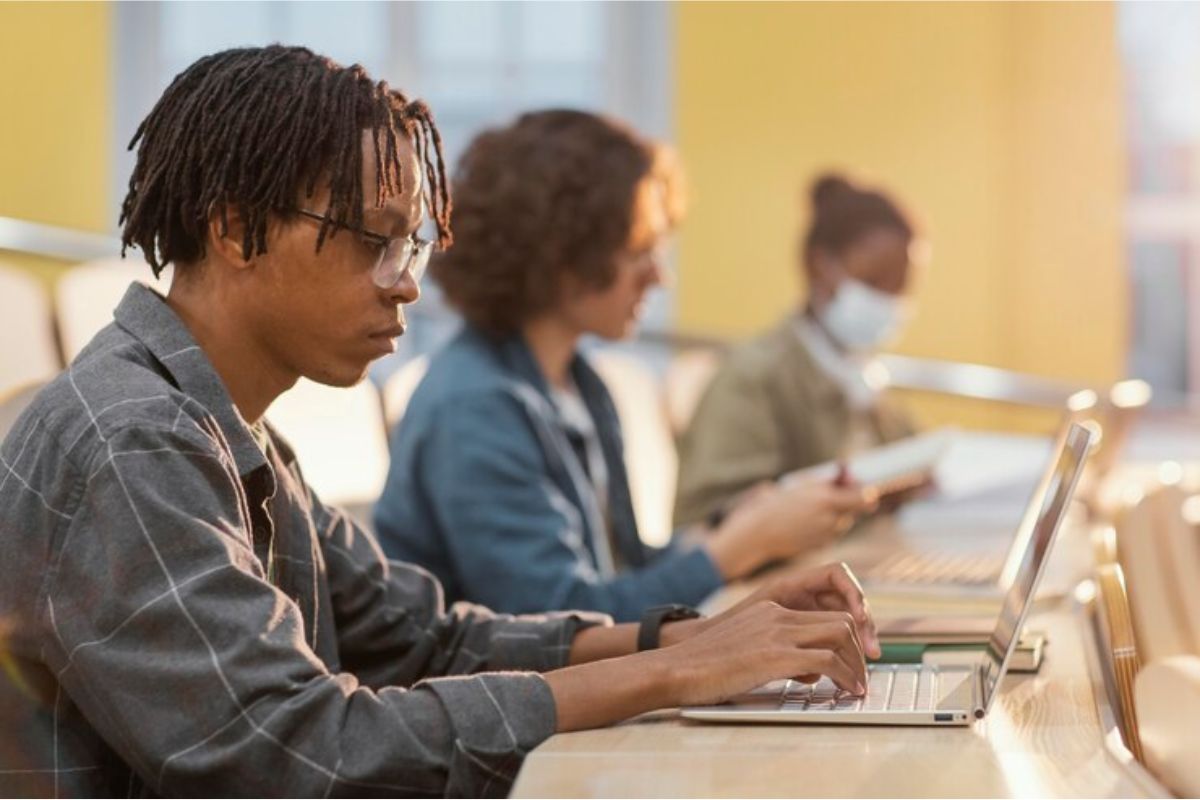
405, 291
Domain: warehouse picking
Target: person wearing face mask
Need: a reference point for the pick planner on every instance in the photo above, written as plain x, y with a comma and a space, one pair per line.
508, 477
806, 392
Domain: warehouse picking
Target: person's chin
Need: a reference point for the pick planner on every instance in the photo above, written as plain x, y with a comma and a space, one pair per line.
616, 333
342, 375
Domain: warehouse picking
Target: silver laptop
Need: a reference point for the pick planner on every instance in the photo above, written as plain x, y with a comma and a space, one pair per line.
930, 571
926, 694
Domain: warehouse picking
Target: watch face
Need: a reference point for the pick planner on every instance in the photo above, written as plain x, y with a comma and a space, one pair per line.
680, 612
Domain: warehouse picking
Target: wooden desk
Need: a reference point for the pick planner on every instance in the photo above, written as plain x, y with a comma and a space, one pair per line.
1043, 737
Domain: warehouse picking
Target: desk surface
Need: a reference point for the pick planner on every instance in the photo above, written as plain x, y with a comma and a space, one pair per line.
1043, 737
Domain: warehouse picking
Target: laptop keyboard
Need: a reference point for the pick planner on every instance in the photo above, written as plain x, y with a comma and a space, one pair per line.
962, 568
890, 687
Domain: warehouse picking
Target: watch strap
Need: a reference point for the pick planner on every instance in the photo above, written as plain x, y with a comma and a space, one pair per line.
650, 629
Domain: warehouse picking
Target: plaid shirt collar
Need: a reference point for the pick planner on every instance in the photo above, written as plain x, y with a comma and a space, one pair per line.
145, 315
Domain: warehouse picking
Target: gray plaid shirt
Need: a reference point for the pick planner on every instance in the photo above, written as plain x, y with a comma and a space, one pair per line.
180, 614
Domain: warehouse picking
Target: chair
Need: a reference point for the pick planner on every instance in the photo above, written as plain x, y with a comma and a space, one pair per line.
1167, 695
650, 456
14, 401
87, 295
1126, 401
26, 329
1119, 652
687, 378
398, 389
339, 439
1153, 544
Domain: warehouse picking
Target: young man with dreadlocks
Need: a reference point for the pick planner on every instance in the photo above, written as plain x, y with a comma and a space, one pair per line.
182, 614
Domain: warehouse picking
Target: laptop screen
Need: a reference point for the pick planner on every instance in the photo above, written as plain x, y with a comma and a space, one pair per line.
1052, 499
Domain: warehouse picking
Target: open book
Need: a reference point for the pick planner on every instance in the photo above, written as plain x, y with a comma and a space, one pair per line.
894, 467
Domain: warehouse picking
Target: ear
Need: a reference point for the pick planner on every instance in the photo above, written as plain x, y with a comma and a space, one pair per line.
226, 234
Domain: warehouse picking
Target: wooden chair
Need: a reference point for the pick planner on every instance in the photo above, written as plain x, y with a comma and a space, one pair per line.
86, 296
340, 441
650, 457
1119, 652
26, 330
399, 388
688, 375
1160, 558
1167, 696
13, 401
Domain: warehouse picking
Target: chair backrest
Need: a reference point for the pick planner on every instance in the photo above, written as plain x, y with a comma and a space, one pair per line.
28, 352
1119, 651
86, 296
15, 400
399, 388
1152, 536
1124, 404
1167, 695
650, 456
688, 376
1183, 556
339, 439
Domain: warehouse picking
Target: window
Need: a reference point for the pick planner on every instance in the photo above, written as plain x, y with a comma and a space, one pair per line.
1162, 78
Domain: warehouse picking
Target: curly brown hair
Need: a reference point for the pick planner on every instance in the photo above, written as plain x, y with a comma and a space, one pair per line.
549, 195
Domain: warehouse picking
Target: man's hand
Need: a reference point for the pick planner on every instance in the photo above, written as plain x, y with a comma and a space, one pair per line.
831, 587
754, 643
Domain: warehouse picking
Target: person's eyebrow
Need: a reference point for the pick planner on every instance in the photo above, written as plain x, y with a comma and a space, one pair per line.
389, 222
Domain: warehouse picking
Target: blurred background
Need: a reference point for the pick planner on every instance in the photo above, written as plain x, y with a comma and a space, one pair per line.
1048, 150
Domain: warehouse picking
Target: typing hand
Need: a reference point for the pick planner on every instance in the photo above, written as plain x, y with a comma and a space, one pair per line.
831, 587
758, 642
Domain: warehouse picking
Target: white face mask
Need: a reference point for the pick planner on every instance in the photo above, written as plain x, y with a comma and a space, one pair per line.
864, 319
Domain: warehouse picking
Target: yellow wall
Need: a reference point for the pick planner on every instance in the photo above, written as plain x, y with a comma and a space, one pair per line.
997, 124
56, 96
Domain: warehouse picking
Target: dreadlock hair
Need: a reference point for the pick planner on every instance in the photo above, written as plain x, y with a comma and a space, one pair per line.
248, 128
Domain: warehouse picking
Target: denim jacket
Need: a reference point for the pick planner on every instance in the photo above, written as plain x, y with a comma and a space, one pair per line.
486, 490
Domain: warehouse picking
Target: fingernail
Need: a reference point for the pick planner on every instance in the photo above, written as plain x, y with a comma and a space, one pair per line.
860, 688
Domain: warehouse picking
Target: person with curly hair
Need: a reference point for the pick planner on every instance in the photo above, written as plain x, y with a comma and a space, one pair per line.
508, 477
805, 392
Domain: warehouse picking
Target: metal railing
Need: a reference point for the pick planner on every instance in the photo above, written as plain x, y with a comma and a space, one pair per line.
959, 379
37, 239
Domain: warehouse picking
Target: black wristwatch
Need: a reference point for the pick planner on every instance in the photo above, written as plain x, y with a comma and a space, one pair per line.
653, 619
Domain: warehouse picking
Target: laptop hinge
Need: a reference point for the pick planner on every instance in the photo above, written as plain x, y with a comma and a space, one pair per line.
977, 699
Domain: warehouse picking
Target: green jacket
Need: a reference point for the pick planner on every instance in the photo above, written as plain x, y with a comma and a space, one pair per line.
769, 410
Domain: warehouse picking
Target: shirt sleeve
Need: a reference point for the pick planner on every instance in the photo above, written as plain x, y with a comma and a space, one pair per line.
163, 630
516, 541
393, 628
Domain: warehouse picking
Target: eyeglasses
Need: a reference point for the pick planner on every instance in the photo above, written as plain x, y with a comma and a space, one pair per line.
397, 255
